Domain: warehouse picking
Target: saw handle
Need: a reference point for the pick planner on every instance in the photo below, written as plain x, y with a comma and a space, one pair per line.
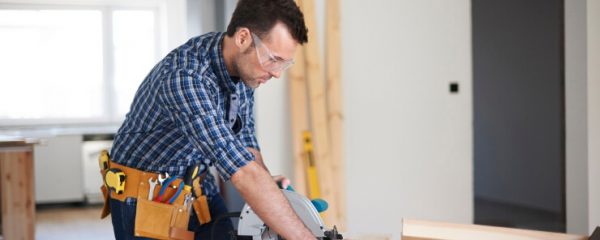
320, 204
289, 187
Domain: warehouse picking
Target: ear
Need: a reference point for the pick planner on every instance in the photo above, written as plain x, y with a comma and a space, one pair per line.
243, 39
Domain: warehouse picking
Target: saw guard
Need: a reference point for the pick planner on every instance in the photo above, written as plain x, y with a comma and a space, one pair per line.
251, 225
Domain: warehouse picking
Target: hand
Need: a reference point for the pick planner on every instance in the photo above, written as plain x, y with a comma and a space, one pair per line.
285, 182
268, 201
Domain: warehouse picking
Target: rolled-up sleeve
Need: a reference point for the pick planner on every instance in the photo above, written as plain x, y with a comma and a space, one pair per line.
188, 102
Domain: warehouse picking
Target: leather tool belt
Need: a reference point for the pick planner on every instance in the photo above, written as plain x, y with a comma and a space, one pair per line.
158, 217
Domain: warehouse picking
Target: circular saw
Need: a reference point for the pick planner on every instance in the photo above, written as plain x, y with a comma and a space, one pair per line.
250, 226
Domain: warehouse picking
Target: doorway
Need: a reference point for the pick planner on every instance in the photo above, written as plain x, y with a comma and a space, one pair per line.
518, 95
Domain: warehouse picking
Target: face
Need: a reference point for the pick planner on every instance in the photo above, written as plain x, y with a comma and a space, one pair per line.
259, 59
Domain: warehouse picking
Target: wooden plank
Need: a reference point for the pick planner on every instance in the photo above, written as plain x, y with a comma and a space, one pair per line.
367, 237
318, 113
299, 117
16, 184
426, 230
335, 111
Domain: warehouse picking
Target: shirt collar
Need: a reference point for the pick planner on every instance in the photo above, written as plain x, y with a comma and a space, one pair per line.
218, 65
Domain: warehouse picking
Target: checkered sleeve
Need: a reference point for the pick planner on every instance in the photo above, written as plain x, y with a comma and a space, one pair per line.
188, 102
248, 134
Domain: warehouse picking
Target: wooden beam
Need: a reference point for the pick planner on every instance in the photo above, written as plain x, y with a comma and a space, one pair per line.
318, 113
335, 114
299, 117
426, 230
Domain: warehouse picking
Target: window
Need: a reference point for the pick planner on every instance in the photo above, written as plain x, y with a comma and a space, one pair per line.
135, 53
52, 64
73, 65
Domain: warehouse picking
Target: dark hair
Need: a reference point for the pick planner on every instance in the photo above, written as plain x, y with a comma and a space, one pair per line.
261, 15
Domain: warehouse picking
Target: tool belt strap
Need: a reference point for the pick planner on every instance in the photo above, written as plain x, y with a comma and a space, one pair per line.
133, 179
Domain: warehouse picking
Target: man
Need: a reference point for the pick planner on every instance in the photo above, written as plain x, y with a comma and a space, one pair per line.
196, 108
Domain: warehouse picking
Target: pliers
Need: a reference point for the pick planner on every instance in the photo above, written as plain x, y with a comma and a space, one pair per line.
164, 187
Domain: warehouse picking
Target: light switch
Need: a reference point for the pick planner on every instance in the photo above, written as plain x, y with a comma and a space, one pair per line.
454, 87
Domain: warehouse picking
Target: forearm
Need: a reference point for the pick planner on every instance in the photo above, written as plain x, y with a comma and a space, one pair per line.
262, 194
258, 158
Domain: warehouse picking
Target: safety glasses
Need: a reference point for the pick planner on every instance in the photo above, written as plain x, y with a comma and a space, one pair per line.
267, 60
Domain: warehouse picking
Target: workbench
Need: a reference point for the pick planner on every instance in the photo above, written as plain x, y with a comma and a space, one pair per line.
16, 188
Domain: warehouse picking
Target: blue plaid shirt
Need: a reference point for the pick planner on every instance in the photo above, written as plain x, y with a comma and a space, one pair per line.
180, 116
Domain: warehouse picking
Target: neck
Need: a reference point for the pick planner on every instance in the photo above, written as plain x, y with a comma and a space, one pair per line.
229, 53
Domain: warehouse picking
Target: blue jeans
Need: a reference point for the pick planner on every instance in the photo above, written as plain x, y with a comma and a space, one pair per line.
123, 220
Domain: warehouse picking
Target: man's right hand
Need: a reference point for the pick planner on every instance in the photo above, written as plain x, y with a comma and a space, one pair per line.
282, 181
261, 192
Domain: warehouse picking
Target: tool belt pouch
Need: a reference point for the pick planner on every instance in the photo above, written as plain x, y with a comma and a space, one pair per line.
201, 208
106, 207
104, 160
200, 204
160, 220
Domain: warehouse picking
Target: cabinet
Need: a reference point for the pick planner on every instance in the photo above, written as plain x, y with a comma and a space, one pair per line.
58, 169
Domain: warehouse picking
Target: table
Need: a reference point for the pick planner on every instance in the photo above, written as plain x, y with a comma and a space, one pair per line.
16, 188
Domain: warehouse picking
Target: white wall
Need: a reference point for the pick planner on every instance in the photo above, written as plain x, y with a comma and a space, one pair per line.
593, 41
175, 22
197, 16
408, 140
273, 126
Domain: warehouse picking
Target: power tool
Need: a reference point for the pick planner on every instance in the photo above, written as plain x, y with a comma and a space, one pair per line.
250, 226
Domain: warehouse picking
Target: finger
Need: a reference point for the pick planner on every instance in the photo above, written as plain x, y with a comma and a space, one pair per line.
285, 183
278, 178
282, 181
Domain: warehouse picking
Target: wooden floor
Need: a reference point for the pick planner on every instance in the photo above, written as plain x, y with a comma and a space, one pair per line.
76, 222
71, 222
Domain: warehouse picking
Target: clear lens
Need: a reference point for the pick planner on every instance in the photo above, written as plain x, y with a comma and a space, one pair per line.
267, 60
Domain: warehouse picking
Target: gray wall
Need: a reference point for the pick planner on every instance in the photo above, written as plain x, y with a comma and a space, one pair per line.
582, 48
576, 116
204, 16
593, 108
518, 102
